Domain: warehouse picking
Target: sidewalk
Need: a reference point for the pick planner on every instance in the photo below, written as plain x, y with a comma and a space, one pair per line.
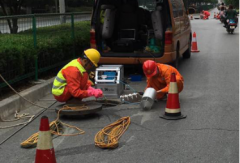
15, 103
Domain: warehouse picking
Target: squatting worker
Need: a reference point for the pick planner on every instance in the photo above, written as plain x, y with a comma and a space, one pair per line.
206, 14
72, 80
159, 76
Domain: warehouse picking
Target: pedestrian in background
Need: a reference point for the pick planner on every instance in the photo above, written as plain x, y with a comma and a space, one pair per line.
159, 76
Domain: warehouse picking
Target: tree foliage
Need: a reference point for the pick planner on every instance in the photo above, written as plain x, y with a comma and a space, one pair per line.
199, 2
235, 3
74, 3
11, 7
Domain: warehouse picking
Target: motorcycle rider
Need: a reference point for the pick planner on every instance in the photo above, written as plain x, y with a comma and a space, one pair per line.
222, 6
222, 13
230, 14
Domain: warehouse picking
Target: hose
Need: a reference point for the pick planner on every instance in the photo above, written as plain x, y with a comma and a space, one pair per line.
56, 128
108, 137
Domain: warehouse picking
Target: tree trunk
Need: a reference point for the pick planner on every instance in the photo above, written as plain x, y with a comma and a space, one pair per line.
14, 28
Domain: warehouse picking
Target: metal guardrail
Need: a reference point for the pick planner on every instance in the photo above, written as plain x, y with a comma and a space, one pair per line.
41, 36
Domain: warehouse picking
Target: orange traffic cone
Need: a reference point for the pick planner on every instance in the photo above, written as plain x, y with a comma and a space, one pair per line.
194, 43
172, 110
45, 151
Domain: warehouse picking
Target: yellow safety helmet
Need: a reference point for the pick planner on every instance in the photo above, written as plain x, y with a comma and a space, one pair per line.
93, 55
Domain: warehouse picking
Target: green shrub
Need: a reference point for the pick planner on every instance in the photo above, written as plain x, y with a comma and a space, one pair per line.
54, 45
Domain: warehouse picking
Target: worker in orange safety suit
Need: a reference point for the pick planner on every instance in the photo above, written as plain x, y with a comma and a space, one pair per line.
72, 80
206, 14
159, 76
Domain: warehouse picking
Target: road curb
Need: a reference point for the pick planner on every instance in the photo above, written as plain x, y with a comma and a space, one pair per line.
16, 103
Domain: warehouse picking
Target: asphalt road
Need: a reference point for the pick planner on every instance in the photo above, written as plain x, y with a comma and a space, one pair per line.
209, 134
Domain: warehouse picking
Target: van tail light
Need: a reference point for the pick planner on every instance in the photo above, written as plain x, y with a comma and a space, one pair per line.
168, 37
92, 39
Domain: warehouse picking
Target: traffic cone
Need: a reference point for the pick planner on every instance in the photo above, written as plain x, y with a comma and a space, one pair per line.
172, 110
194, 43
45, 151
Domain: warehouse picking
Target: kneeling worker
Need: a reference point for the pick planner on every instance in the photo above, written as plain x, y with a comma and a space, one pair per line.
72, 80
159, 76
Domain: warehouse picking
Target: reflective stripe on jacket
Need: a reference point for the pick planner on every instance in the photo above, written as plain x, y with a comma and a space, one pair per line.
60, 81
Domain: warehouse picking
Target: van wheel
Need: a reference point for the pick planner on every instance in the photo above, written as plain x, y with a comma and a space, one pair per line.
187, 53
176, 62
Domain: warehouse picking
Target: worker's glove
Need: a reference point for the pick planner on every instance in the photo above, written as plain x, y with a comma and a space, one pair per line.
90, 88
95, 92
100, 93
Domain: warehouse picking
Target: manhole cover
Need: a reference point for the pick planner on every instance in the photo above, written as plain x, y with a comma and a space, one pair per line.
91, 107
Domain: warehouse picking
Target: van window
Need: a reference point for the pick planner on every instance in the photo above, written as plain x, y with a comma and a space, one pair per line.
180, 12
147, 4
177, 8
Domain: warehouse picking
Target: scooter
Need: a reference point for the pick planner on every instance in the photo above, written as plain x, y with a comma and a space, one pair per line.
231, 25
221, 17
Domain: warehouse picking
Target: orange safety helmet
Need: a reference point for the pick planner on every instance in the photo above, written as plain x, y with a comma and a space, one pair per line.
149, 68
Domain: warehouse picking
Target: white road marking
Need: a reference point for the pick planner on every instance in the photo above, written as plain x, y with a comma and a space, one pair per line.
146, 116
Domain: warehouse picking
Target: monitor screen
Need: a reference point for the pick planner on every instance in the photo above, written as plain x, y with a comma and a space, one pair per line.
127, 34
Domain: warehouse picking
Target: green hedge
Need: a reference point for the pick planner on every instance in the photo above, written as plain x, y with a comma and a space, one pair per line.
54, 45
204, 7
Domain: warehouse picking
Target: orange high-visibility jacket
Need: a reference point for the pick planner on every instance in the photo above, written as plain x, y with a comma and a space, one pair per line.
77, 83
162, 81
207, 13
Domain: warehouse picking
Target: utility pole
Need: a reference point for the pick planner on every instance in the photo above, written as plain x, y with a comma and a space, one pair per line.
62, 11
